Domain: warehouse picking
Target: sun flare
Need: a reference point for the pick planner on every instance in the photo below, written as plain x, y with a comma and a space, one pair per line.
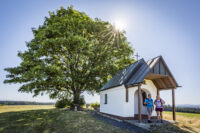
120, 25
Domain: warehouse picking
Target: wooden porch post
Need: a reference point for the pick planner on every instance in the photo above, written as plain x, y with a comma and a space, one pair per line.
158, 92
173, 104
139, 103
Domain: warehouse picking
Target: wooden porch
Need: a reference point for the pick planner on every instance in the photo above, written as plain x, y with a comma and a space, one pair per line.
163, 79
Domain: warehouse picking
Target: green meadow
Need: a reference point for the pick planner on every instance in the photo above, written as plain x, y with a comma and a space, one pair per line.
187, 115
47, 119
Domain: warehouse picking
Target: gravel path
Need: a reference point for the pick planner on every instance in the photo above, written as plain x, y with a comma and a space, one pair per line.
124, 125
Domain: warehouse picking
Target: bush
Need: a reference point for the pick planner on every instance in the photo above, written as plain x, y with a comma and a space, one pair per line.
61, 103
95, 106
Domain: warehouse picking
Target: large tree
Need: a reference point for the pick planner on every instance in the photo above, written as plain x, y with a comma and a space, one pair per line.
69, 54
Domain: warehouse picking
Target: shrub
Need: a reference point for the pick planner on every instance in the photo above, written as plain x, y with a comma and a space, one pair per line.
95, 106
62, 103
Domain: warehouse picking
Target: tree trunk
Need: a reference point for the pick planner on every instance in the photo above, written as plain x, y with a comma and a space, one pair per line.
77, 100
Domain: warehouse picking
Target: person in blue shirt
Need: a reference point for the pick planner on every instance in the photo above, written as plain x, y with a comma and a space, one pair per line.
149, 104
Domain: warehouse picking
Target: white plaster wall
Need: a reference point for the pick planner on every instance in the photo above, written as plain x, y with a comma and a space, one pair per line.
117, 104
115, 101
129, 106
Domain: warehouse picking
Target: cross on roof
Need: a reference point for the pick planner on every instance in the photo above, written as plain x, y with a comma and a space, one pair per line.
137, 56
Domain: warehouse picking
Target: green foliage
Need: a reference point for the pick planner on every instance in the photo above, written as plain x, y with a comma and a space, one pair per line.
64, 102
61, 103
69, 54
95, 105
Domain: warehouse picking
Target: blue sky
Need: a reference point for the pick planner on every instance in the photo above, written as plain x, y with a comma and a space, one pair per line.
170, 28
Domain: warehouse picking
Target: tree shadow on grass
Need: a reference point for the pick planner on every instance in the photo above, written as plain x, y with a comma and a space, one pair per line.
53, 120
26, 121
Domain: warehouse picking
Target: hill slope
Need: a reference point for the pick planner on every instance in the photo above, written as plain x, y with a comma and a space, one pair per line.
53, 120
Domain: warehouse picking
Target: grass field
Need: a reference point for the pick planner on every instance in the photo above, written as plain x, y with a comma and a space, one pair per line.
186, 121
46, 119
14, 108
187, 115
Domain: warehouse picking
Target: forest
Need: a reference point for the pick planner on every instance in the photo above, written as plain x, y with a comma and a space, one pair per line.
183, 109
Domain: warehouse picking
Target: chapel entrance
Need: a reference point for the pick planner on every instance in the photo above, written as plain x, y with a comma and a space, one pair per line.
144, 94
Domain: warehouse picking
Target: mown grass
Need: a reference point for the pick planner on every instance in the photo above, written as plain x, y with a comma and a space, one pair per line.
187, 121
52, 121
47, 119
14, 108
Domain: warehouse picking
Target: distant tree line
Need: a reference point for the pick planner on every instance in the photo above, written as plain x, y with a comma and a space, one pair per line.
182, 109
24, 103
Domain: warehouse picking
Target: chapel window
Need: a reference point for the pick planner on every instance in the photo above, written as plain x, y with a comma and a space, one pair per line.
106, 98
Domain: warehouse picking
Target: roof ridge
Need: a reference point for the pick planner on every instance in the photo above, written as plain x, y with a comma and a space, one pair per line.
159, 56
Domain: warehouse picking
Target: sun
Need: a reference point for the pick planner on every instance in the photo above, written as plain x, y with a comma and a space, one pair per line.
120, 25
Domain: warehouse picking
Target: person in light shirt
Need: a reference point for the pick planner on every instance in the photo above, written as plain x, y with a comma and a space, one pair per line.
159, 107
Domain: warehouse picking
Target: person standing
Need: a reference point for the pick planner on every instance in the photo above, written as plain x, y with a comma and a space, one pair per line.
149, 104
159, 108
